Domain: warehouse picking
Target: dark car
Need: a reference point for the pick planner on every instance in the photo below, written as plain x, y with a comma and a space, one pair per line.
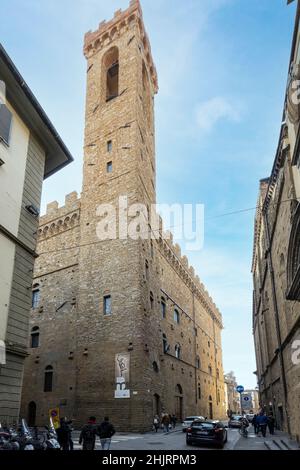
208, 431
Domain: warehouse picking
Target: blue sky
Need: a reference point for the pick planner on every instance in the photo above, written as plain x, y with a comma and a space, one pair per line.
225, 60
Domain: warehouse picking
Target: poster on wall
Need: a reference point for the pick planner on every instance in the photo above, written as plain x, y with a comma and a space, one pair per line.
122, 368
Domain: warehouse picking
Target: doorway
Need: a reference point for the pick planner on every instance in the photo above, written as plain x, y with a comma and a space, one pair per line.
179, 402
31, 414
156, 405
210, 408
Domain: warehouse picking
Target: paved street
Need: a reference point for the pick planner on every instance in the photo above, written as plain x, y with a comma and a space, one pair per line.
175, 440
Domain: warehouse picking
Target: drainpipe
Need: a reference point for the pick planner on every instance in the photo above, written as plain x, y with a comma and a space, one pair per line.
214, 332
195, 346
277, 322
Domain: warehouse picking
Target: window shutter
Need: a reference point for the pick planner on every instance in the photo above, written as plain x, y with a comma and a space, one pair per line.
5, 123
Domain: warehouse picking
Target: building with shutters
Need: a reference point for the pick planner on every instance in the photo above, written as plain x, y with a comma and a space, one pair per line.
122, 326
30, 150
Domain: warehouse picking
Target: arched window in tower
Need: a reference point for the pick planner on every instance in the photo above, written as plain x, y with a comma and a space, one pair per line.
111, 73
210, 369
163, 307
178, 351
166, 347
151, 300
199, 391
147, 270
48, 381
198, 362
176, 316
35, 337
35, 296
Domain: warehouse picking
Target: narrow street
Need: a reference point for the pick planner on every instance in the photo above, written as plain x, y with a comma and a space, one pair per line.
175, 440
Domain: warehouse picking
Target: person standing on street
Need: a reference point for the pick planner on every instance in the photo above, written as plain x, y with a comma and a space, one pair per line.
173, 420
64, 435
166, 422
262, 422
254, 423
105, 432
156, 423
271, 424
88, 434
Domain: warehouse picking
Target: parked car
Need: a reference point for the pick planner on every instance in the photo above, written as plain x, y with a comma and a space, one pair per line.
204, 432
235, 421
188, 421
250, 417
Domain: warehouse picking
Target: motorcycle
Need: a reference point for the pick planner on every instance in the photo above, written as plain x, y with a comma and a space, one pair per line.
25, 437
8, 439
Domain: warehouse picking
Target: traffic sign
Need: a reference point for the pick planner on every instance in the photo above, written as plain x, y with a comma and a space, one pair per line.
246, 398
240, 388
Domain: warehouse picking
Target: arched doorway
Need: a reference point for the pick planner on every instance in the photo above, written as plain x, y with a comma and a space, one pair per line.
210, 407
179, 402
156, 405
31, 414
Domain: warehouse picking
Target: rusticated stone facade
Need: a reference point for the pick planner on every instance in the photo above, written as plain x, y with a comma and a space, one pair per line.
135, 303
276, 267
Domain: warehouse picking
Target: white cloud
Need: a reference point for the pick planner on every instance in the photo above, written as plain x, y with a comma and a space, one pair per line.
213, 110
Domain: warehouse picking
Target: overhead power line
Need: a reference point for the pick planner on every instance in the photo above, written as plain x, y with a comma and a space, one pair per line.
225, 214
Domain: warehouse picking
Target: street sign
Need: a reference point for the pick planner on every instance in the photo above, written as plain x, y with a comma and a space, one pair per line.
54, 415
240, 388
246, 398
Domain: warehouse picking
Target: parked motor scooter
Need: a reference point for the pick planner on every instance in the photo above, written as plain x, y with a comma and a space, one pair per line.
8, 439
25, 437
51, 441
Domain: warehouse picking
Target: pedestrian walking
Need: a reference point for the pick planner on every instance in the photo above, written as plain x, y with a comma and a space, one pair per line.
156, 423
70, 429
173, 421
88, 434
64, 435
166, 422
105, 432
271, 423
262, 422
254, 424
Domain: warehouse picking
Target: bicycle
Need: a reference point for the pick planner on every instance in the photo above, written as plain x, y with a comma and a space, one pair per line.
243, 430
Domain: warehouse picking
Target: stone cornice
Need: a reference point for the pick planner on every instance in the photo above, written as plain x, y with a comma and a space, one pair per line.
58, 225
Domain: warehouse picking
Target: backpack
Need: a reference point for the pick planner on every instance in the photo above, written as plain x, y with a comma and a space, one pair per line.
89, 433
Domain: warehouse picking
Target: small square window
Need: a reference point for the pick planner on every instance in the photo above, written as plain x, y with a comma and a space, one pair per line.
109, 167
109, 146
107, 305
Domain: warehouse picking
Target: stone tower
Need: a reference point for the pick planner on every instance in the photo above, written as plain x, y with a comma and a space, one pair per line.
119, 161
120, 325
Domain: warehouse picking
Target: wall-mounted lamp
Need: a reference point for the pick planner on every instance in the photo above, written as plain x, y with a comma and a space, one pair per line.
32, 210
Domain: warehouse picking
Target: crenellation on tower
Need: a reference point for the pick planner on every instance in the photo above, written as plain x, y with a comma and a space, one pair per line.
58, 219
123, 21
